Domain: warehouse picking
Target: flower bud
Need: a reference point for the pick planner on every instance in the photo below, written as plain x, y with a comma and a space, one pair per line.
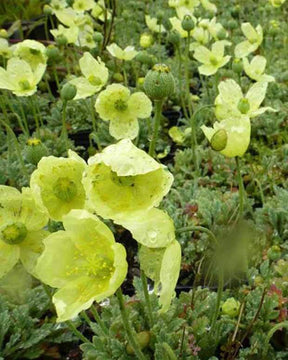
52, 53
159, 82
144, 58
274, 253
34, 151
68, 92
47, 10
232, 24
235, 11
187, 23
61, 40
118, 77
231, 307
237, 66
167, 23
143, 339
3, 33
174, 38
243, 106
221, 34
159, 16
219, 140
146, 40
98, 37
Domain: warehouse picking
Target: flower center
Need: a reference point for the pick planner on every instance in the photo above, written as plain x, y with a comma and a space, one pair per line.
89, 38
120, 105
213, 60
94, 80
24, 85
14, 234
34, 51
253, 40
123, 180
65, 189
243, 106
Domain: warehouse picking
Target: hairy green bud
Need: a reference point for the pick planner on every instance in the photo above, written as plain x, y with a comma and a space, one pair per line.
68, 92
187, 23
219, 140
159, 82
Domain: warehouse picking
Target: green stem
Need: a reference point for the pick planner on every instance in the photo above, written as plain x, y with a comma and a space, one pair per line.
129, 332
180, 83
147, 297
157, 118
219, 298
271, 332
199, 228
94, 125
56, 78
124, 74
169, 351
64, 128
86, 317
241, 187
24, 117
35, 116
76, 332
99, 320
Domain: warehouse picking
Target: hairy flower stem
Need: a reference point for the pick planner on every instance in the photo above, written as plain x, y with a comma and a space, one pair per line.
241, 188
64, 128
271, 332
17, 149
147, 297
157, 119
99, 320
180, 82
76, 332
192, 118
129, 331
199, 228
35, 115
218, 301
94, 125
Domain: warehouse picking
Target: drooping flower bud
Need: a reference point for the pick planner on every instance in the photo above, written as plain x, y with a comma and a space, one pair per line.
219, 140
159, 82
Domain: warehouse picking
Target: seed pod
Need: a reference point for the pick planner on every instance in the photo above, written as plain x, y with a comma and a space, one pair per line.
243, 106
219, 140
159, 82
187, 23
